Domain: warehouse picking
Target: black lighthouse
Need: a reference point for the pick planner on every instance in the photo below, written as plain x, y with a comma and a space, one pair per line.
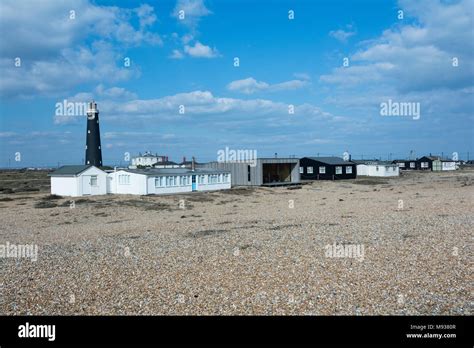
93, 149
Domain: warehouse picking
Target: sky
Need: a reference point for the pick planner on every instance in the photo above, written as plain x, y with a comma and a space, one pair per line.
311, 78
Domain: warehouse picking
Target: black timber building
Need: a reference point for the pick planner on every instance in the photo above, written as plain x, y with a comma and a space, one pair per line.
327, 168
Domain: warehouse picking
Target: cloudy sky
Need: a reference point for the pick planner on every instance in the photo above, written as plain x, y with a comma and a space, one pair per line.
311, 77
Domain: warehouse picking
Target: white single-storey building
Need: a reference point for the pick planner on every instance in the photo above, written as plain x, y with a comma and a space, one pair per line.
166, 180
78, 180
85, 180
376, 168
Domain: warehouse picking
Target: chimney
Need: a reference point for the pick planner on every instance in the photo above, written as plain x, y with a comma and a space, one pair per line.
184, 159
350, 157
93, 148
193, 164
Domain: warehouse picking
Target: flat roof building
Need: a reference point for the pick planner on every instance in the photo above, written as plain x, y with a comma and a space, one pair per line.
261, 171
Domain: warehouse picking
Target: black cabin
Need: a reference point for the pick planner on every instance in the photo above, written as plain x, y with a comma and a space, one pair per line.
406, 164
326, 168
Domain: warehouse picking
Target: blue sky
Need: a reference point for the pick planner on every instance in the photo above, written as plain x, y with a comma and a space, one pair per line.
283, 62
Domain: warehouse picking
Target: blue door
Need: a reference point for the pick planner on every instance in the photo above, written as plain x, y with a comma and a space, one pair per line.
193, 180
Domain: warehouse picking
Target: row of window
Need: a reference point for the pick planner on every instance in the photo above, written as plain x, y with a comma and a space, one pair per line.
322, 170
124, 179
412, 165
169, 181
184, 180
387, 168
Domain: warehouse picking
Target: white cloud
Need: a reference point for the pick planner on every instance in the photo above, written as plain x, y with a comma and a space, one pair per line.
187, 38
419, 56
302, 76
201, 51
201, 104
114, 93
341, 35
7, 134
194, 10
250, 85
58, 52
146, 15
176, 55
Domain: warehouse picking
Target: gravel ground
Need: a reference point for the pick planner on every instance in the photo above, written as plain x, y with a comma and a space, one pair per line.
246, 251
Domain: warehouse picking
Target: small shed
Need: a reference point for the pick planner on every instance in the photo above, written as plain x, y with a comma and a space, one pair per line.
406, 164
327, 168
376, 168
436, 163
78, 180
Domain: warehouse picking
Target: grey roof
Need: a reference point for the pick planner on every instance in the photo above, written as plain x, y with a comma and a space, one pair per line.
70, 170
331, 160
174, 171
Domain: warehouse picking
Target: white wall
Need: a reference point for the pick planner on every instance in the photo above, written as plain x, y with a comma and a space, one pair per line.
211, 187
141, 184
72, 185
164, 190
137, 184
101, 188
371, 170
64, 185
448, 165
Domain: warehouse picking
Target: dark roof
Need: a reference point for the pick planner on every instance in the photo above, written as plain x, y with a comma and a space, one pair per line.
331, 160
165, 163
431, 158
70, 170
437, 158
174, 171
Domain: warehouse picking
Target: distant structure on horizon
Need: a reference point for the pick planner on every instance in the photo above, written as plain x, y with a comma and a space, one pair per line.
148, 159
93, 148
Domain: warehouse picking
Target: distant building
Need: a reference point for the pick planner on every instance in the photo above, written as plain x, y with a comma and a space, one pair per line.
78, 180
436, 163
326, 168
376, 168
166, 164
261, 171
189, 164
147, 160
405, 164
